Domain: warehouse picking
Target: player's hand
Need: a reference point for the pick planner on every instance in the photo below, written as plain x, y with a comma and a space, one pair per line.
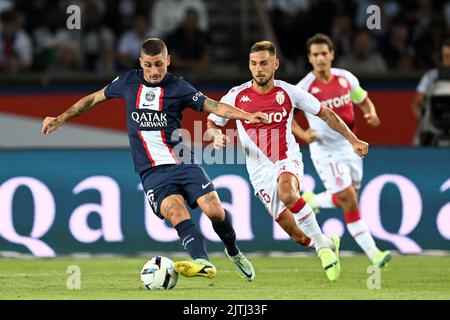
372, 119
220, 140
50, 124
309, 136
360, 147
258, 117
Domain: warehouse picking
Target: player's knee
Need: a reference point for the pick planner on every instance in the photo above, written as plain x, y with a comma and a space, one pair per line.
289, 198
347, 195
215, 212
347, 199
176, 215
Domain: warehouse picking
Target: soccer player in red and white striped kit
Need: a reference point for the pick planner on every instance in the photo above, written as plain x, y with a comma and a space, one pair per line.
337, 165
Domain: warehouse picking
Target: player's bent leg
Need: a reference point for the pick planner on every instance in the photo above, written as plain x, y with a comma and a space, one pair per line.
175, 211
288, 190
287, 223
323, 200
347, 199
310, 198
357, 227
222, 225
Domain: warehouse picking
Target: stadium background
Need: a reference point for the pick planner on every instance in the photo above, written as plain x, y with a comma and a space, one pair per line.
75, 191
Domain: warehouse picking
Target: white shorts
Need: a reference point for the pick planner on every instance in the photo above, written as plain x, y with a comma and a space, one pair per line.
267, 188
338, 171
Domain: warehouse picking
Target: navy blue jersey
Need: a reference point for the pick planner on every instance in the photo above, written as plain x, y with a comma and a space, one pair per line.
154, 112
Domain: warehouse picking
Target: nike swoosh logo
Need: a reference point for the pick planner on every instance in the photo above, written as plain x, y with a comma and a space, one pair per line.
246, 274
205, 185
145, 105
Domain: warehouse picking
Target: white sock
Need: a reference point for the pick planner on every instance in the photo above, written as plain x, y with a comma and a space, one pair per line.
360, 232
306, 221
329, 242
323, 200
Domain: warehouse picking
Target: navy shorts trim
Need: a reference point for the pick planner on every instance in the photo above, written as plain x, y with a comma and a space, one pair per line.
187, 180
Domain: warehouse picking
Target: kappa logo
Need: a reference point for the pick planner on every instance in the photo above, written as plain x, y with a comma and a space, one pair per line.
245, 98
315, 90
280, 97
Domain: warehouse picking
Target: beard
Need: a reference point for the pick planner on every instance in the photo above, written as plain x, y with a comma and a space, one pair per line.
263, 82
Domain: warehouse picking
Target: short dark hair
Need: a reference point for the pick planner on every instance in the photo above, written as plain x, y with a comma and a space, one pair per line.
319, 38
153, 47
264, 46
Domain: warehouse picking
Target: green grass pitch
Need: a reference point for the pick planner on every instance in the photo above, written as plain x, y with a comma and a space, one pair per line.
288, 278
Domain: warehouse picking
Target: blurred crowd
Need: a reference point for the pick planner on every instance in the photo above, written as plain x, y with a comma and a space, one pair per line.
34, 35
409, 37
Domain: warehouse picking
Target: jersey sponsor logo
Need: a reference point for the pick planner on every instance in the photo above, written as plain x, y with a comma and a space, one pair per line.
337, 101
196, 96
245, 99
150, 119
342, 82
280, 97
276, 117
150, 96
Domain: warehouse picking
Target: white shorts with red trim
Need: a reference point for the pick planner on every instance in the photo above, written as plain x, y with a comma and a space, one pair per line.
339, 170
266, 189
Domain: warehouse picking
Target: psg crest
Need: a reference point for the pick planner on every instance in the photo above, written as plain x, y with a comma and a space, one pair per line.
280, 97
150, 96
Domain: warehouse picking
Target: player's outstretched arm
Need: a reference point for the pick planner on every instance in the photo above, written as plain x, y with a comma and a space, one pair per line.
217, 137
308, 135
229, 112
370, 113
334, 122
86, 103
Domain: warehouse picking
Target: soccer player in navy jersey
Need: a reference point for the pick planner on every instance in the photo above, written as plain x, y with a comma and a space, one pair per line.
155, 100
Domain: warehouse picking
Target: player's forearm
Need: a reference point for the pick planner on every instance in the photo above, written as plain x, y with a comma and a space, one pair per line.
81, 106
298, 131
336, 123
368, 107
224, 110
417, 105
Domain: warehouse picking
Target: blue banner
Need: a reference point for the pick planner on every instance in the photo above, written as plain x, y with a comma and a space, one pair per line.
69, 201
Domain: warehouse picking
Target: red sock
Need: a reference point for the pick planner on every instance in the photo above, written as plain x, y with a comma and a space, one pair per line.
335, 201
307, 242
352, 216
298, 206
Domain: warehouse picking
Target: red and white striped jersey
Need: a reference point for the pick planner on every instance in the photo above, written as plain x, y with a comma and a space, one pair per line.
339, 94
265, 144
